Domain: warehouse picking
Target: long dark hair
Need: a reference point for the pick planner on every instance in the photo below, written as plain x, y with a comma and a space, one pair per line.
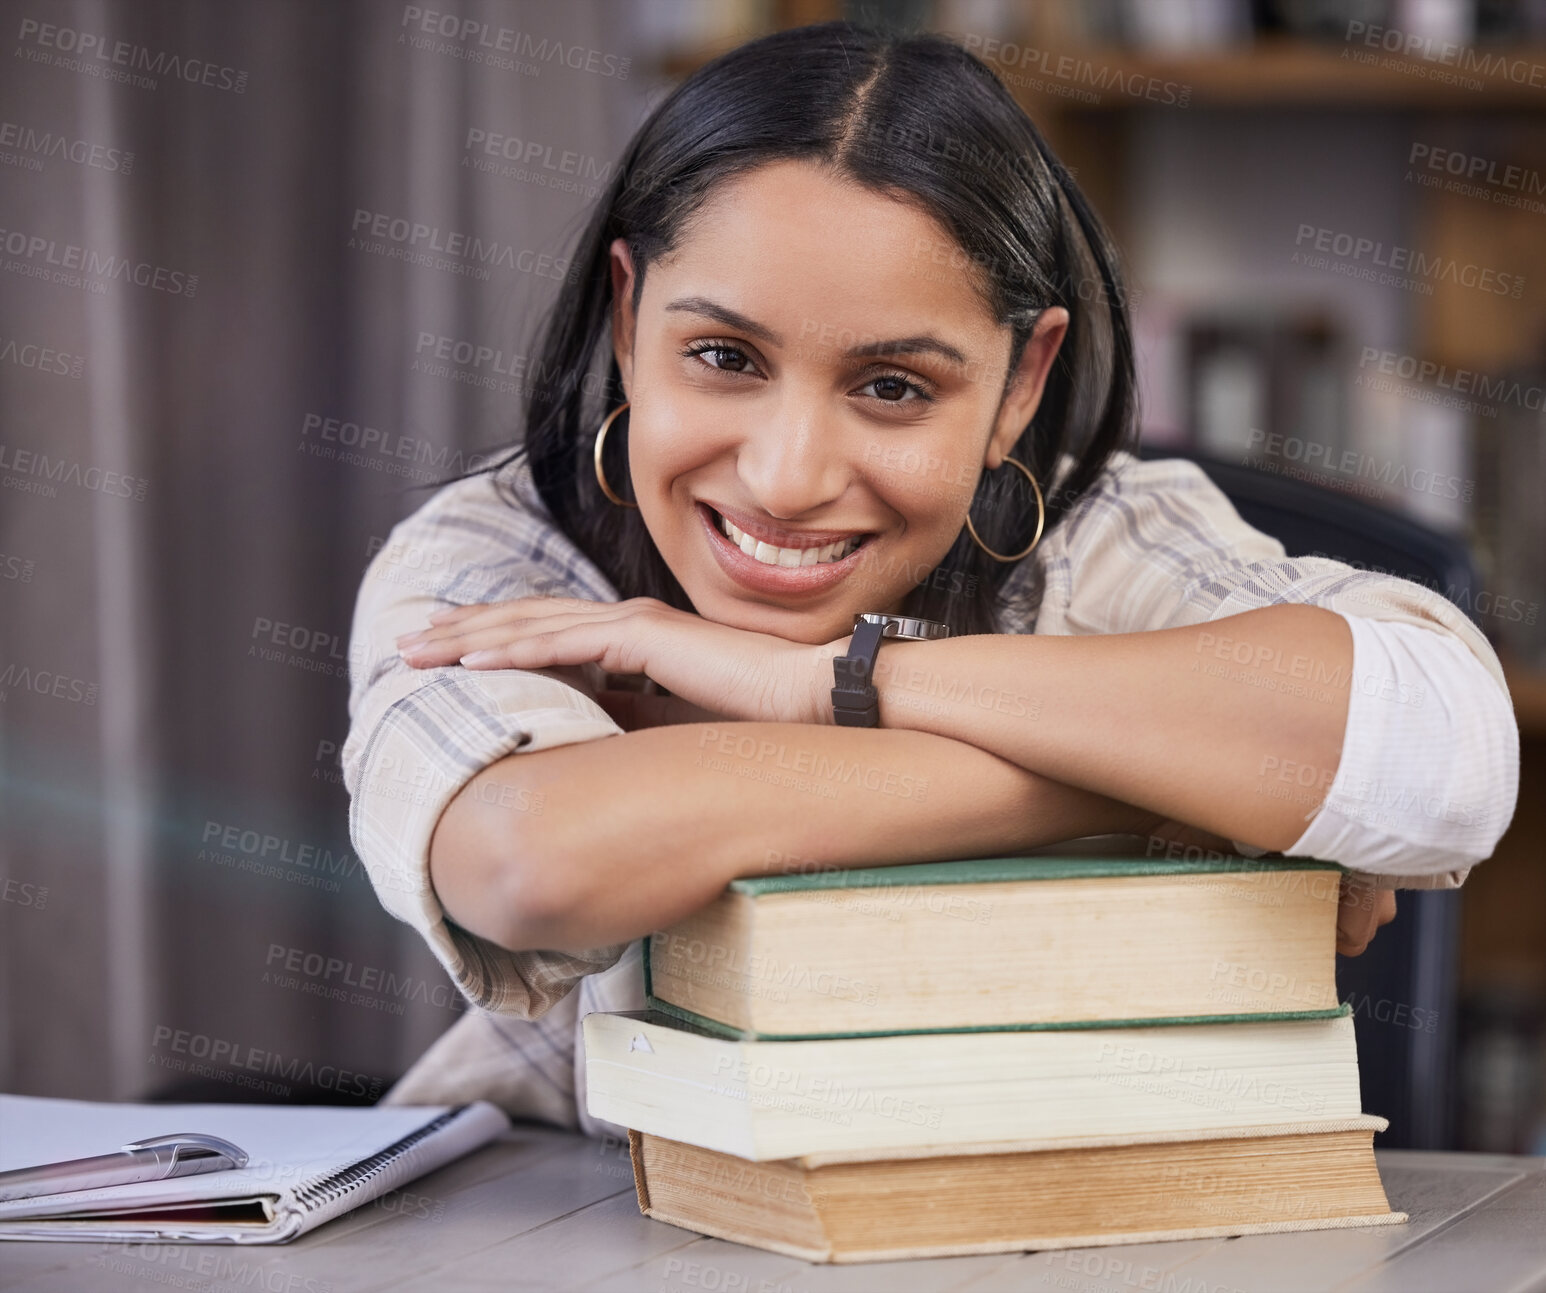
914, 116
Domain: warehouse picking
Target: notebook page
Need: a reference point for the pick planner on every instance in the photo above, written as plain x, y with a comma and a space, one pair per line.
287, 1146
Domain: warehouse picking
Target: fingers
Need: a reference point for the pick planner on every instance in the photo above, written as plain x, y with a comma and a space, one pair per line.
493, 628
452, 621
1361, 911
553, 641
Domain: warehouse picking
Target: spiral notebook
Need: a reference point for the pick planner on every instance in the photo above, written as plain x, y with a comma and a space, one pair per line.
306, 1164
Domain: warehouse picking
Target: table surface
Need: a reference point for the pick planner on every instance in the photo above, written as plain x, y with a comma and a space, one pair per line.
544, 1209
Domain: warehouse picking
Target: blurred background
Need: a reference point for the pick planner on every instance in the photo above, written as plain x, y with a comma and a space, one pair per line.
241, 334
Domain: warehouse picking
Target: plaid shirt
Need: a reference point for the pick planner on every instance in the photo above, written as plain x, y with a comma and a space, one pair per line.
1423, 789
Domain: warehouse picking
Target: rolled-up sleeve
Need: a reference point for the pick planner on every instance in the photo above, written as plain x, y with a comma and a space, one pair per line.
1430, 761
1429, 773
417, 736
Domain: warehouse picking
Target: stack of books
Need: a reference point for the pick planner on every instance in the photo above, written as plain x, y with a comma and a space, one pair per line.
998, 1054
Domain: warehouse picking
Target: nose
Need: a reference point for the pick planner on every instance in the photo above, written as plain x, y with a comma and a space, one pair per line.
792, 463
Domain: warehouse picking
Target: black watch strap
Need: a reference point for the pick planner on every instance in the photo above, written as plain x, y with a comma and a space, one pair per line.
855, 702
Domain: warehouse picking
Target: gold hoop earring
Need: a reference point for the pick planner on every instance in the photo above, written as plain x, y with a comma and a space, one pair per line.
601, 439
1041, 518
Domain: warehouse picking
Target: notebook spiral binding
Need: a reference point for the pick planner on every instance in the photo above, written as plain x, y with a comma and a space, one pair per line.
349, 1179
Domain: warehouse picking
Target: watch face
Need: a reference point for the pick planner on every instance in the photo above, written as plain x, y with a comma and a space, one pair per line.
903, 626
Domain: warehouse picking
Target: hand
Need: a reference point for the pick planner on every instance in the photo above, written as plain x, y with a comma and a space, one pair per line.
1361, 911
730, 672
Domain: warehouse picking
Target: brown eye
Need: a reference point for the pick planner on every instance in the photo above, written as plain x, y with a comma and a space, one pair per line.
727, 359
894, 388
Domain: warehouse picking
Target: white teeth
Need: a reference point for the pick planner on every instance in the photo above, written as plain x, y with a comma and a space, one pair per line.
772, 555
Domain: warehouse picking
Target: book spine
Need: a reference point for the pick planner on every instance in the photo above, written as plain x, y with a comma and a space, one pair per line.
717, 1029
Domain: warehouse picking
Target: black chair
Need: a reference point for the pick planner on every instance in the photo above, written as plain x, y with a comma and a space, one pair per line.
1404, 988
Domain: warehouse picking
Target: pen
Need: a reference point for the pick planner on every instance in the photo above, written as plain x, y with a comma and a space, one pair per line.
156, 1159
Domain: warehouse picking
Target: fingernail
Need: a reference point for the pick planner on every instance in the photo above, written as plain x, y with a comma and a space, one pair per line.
474, 658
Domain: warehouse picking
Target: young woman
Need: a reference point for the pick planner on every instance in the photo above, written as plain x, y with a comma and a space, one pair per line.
866, 351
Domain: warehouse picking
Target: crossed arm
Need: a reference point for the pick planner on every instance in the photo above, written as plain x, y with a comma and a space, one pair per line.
987, 745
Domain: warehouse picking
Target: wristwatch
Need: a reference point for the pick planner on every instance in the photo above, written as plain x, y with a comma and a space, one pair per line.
855, 702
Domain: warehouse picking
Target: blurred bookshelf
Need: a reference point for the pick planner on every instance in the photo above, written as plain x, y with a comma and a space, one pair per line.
1210, 134
1280, 72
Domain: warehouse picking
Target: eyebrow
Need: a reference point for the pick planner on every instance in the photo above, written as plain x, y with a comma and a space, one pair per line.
740, 323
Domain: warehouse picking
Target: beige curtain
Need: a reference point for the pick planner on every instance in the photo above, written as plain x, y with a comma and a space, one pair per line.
240, 316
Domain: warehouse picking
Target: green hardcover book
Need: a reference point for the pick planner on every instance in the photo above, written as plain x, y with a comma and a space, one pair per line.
1032, 942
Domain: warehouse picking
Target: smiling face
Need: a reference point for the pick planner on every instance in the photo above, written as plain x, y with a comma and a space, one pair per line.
814, 386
